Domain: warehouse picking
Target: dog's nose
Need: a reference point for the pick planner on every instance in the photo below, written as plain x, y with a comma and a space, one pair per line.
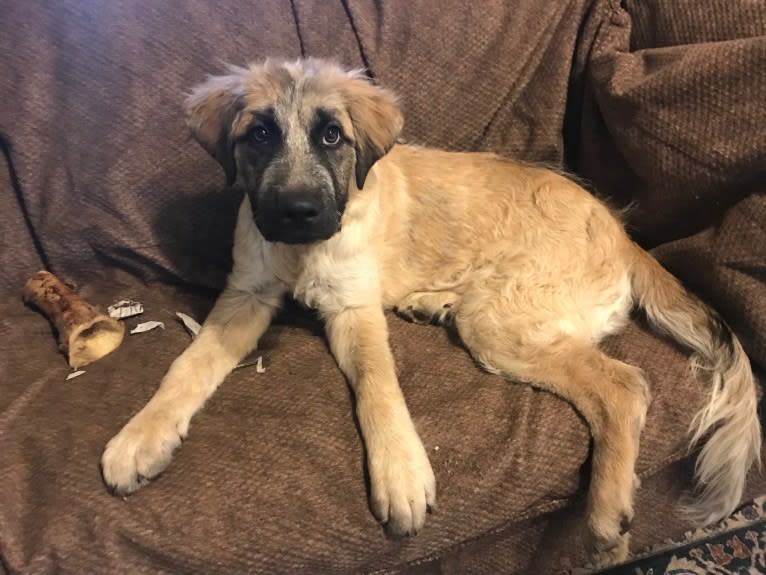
300, 211
299, 208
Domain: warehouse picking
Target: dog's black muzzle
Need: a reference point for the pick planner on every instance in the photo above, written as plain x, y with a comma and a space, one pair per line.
295, 216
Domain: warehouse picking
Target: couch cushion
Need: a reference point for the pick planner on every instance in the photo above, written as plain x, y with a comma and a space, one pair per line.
726, 264
91, 94
673, 110
18, 253
487, 75
274, 463
90, 98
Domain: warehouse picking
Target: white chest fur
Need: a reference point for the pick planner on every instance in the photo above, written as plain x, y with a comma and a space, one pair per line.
331, 281
329, 276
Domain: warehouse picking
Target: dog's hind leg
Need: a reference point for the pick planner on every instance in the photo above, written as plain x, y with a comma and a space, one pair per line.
612, 397
428, 307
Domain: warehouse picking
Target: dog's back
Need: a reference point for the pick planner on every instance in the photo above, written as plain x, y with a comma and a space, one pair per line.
535, 271
477, 221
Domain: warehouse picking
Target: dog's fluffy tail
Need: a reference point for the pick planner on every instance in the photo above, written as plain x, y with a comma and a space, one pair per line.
728, 423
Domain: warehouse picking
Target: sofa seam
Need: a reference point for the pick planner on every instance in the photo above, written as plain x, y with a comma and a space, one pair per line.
358, 38
13, 176
545, 508
297, 20
530, 513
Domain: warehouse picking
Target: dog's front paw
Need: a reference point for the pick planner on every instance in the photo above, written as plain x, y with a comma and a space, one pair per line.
140, 452
403, 487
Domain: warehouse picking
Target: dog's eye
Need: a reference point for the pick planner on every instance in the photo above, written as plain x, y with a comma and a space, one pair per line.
331, 136
259, 134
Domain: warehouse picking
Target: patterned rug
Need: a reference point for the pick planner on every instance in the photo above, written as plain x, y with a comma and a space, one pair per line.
736, 545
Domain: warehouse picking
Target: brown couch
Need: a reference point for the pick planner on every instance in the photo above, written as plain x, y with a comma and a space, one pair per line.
657, 102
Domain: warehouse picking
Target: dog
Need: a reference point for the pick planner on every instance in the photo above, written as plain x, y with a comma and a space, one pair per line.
531, 270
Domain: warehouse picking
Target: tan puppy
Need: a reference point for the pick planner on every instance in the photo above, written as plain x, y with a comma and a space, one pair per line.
531, 269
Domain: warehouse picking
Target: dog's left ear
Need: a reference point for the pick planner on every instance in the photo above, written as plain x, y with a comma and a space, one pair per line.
211, 109
377, 122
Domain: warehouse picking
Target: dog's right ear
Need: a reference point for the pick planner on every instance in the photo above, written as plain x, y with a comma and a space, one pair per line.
211, 110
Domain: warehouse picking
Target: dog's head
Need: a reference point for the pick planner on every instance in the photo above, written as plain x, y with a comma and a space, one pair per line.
301, 136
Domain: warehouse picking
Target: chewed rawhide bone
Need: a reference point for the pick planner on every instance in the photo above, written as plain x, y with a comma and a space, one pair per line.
85, 332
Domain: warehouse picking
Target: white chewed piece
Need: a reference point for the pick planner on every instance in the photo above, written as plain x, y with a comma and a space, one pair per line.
147, 326
190, 323
125, 308
75, 374
258, 363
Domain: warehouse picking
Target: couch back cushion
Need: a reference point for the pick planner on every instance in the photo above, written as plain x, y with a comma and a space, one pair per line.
673, 110
91, 94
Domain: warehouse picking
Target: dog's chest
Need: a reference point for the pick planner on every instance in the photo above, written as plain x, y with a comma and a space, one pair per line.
331, 282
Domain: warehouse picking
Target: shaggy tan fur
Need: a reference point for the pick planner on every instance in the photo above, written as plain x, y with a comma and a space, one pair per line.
530, 269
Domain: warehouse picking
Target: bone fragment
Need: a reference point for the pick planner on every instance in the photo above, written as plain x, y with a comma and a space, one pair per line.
85, 332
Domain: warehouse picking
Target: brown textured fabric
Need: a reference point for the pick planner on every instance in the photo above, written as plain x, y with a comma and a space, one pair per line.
488, 75
726, 264
272, 479
674, 109
92, 102
17, 249
658, 23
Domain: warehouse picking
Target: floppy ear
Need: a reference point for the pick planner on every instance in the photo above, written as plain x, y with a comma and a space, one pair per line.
377, 123
211, 109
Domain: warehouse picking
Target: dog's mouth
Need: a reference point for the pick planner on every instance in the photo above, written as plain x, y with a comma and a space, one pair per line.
296, 235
